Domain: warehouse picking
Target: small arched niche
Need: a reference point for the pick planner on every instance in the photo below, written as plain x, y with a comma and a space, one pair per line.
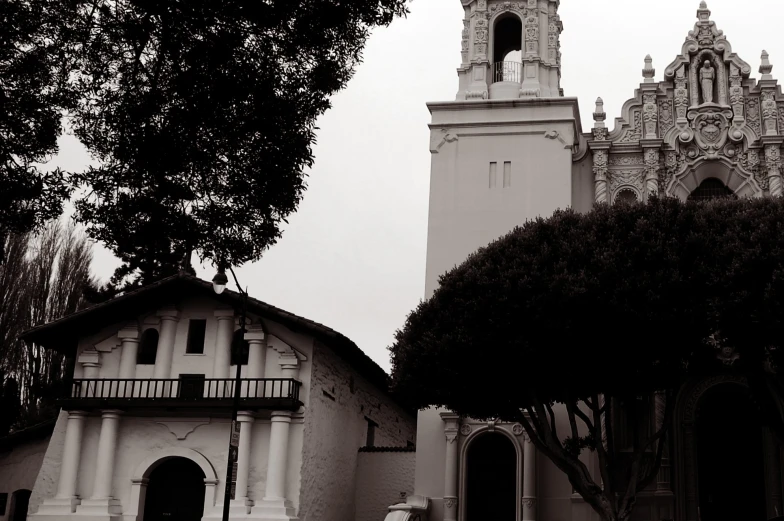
626, 195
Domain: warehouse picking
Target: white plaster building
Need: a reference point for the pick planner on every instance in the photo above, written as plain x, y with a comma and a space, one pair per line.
510, 148
144, 433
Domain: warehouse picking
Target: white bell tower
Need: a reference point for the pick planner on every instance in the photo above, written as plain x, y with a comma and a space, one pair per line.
510, 50
502, 152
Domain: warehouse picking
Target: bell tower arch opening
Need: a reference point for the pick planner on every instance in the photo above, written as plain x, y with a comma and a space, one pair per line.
508, 49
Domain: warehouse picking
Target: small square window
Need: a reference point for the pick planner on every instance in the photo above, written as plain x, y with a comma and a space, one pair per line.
196, 332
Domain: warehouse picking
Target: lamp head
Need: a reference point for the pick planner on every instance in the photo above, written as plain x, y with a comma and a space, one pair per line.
219, 281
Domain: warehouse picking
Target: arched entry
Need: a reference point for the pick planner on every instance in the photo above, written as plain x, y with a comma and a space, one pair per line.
175, 492
491, 479
730, 460
20, 500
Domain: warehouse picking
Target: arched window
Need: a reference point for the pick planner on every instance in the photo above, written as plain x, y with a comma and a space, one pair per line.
148, 347
712, 188
626, 196
240, 348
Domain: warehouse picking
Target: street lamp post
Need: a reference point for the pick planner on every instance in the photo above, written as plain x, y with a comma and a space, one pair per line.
219, 283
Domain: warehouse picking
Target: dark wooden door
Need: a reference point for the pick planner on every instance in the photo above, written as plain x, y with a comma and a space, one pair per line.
175, 492
491, 479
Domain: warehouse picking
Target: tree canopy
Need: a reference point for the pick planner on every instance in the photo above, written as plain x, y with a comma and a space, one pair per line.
201, 116
592, 310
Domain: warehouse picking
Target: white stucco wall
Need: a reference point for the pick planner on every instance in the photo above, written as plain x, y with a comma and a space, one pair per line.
19, 467
383, 479
334, 431
466, 211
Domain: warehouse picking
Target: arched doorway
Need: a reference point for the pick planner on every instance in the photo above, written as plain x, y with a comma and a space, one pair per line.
712, 188
20, 500
175, 492
491, 479
730, 461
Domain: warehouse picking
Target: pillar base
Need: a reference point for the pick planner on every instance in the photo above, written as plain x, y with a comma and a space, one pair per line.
57, 506
239, 508
105, 508
274, 510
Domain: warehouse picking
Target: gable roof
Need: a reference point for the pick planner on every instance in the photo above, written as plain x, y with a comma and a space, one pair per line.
62, 335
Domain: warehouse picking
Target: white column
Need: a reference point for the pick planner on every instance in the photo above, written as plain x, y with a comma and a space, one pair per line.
452, 421
275, 505
241, 503
225, 332
101, 501
107, 447
72, 452
168, 333
129, 336
91, 368
278, 452
529, 480
65, 499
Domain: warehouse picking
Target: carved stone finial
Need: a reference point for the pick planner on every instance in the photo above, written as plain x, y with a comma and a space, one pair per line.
765, 67
703, 13
599, 114
648, 72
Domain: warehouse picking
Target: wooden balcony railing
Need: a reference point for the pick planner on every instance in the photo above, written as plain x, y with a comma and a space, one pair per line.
186, 392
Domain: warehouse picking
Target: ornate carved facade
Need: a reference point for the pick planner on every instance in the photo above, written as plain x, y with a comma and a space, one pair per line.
707, 119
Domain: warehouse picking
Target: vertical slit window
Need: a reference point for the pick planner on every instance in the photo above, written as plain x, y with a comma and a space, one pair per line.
493, 174
507, 174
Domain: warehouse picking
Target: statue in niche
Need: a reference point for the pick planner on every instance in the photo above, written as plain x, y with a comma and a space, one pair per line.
707, 76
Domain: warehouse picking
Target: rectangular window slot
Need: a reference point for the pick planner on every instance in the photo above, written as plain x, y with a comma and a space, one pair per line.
196, 330
493, 168
328, 395
507, 174
371, 432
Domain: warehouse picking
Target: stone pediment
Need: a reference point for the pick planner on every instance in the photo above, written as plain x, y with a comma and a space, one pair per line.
706, 111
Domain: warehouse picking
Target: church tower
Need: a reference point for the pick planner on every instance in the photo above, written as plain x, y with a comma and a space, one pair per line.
502, 152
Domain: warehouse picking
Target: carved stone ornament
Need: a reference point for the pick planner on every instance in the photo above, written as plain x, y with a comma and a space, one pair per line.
635, 132
529, 502
507, 6
450, 502
666, 117
465, 429
626, 160
626, 178
710, 129
517, 429
770, 114
650, 115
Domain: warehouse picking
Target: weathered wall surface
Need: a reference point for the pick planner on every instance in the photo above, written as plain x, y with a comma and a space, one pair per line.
334, 431
46, 482
19, 466
383, 479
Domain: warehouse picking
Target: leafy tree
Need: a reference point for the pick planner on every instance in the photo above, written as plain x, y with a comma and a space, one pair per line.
43, 279
565, 320
202, 116
32, 96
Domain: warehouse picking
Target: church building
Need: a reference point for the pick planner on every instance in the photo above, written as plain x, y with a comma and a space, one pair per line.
145, 429
510, 148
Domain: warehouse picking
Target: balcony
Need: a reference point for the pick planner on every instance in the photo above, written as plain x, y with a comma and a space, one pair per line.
187, 394
507, 78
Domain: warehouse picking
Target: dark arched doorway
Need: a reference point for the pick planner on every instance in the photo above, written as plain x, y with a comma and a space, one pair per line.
491, 479
730, 461
20, 500
712, 188
175, 492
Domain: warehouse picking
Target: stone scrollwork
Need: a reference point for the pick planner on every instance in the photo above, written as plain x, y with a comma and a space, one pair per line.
635, 132
621, 178
770, 113
773, 163
517, 429
753, 115
652, 160
666, 120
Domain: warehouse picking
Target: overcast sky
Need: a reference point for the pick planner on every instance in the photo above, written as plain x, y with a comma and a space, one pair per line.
353, 256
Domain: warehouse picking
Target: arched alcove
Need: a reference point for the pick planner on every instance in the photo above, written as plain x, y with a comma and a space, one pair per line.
626, 195
732, 175
507, 49
711, 188
175, 491
730, 460
488, 454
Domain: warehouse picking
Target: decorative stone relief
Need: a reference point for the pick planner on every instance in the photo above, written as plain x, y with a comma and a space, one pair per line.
626, 160
464, 42
450, 502
626, 178
635, 132
181, 429
666, 120
670, 169
600, 175
753, 115
507, 6
532, 34
465, 429
770, 113
652, 170
650, 115
481, 32
517, 429
736, 92
529, 502
681, 94
773, 164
